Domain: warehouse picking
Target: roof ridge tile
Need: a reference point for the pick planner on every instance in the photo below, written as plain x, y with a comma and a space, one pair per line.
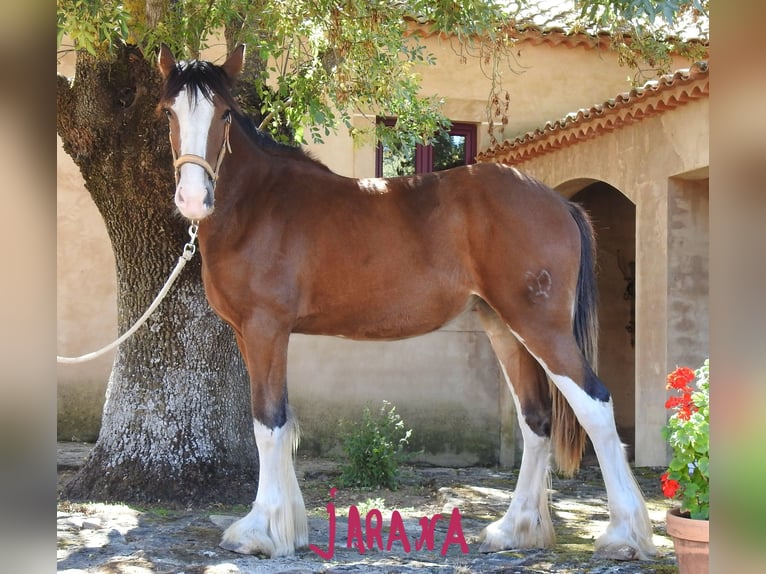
654, 97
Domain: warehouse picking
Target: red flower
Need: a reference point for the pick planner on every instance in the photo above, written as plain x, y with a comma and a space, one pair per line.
686, 411
680, 379
669, 486
673, 402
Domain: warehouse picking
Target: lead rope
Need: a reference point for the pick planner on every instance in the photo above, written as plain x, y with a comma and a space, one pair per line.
188, 252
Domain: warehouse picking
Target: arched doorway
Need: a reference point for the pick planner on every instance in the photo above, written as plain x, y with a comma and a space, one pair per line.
614, 220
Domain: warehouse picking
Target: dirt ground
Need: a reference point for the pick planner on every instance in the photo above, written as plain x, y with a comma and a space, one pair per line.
114, 538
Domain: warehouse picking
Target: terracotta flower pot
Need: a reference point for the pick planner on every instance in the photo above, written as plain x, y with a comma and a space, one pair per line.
691, 540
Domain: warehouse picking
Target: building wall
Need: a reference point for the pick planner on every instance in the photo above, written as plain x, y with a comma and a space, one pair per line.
543, 82
445, 385
86, 311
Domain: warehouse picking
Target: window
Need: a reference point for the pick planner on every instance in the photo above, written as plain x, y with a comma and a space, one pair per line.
456, 147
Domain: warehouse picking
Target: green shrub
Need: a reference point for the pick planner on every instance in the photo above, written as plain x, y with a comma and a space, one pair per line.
374, 447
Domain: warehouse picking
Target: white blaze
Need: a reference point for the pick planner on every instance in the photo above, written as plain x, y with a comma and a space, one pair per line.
194, 188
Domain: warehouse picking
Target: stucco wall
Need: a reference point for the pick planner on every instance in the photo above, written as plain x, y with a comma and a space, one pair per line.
445, 385
544, 83
86, 312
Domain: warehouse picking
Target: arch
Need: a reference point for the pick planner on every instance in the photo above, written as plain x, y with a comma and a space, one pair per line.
572, 187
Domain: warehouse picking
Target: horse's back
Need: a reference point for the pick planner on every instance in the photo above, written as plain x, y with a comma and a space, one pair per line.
388, 258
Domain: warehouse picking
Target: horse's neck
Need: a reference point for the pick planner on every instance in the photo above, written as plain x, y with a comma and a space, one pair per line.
245, 153
244, 188
254, 176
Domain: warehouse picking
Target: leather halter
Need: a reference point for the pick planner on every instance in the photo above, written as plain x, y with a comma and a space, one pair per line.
201, 161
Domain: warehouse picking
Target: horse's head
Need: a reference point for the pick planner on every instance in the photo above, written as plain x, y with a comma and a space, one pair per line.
197, 100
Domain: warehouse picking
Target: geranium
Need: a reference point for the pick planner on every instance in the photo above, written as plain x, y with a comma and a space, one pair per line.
687, 432
669, 486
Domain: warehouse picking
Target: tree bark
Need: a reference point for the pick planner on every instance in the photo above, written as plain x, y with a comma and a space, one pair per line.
176, 425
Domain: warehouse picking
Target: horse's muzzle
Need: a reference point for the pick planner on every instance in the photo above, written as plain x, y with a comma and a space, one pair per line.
195, 201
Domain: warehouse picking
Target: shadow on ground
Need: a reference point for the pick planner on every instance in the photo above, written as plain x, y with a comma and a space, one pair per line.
114, 538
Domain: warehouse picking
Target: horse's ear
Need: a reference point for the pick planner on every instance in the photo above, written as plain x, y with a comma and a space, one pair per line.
165, 60
233, 64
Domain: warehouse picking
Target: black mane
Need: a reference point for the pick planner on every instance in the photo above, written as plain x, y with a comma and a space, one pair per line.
210, 79
267, 143
199, 75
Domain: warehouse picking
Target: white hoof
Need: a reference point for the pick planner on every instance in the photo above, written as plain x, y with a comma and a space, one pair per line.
271, 533
617, 552
625, 547
493, 539
509, 534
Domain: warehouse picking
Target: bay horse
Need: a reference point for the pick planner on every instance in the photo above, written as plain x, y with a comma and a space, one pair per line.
288, 246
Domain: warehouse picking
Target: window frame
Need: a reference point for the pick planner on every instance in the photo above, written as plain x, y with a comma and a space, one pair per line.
424, 154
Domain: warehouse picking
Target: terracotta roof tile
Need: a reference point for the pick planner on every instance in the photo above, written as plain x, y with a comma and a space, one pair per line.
654, 97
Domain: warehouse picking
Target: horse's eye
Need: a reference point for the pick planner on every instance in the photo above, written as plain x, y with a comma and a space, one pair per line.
168, 113
226, 116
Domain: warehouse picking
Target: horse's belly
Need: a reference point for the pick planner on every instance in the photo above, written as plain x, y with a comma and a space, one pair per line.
394, 317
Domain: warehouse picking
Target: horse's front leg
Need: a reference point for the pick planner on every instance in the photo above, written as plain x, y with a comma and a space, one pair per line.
276, 525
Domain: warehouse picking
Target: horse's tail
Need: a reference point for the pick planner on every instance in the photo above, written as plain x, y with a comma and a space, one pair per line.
586, 303
567, 435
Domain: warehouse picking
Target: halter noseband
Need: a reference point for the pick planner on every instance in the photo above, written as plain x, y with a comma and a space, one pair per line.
201, 161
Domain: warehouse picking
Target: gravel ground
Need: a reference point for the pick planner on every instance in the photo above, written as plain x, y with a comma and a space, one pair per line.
112, 538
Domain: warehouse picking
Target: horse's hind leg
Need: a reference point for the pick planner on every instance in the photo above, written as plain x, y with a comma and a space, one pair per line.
527, 522
629, 534
277, 523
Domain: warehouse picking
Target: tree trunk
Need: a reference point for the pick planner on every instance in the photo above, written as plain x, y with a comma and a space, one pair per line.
176, 424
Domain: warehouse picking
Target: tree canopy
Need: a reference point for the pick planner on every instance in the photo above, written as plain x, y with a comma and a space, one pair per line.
314, 63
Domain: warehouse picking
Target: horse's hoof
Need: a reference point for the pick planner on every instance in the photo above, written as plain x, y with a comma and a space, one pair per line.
262, 547
526, 530
234, 547
487, 547
242, 538
494, 539
617, 552
491, 540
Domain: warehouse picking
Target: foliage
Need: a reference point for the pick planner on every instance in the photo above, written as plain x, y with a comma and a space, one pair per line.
645, 33
318, 63
374, 447
641, 12
448, 151
687, 431
91, 24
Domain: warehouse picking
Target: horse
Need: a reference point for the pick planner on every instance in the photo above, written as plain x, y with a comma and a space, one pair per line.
289, 246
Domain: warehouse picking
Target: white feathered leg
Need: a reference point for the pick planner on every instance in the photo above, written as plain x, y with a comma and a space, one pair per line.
276, 525
527, 522
629, 534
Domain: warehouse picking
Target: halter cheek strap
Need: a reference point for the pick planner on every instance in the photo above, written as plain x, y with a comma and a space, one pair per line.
201, 161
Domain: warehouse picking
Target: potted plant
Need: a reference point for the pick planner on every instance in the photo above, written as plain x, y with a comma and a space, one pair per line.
687, 479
